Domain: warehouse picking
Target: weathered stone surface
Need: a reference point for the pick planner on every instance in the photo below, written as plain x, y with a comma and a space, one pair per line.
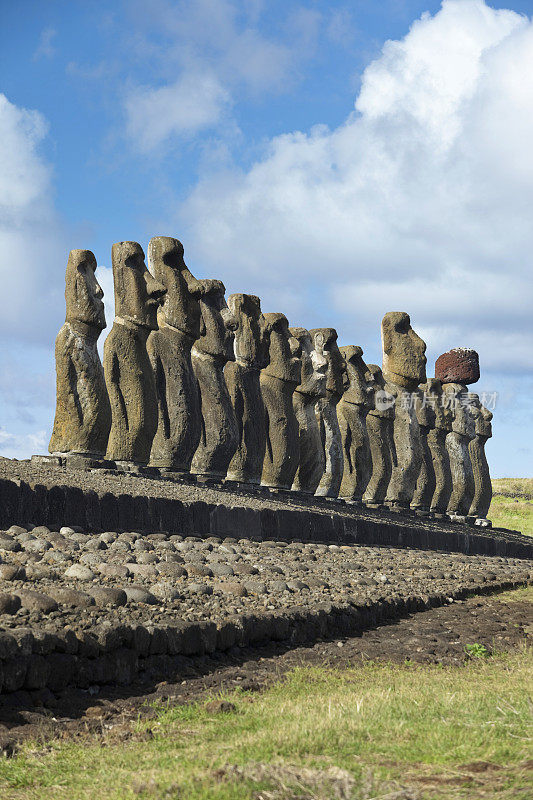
211, 351
128, 372
356, 402
169, 349
380, 430
278, 381
404, 368
460, 365
482, 483
441, 460
311, 388
426, 411
9, 603
326, 411
83, 413
242, 380
457, 442
37, 601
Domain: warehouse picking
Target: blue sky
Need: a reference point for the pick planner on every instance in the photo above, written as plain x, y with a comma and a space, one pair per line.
340, 159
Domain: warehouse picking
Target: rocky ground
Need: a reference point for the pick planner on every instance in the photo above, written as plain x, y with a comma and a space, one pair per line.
73, 579
439, 635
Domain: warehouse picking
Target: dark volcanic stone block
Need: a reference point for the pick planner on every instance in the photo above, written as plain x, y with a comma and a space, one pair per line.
74, 506
93, 512
9, 502
56, 505
109, 511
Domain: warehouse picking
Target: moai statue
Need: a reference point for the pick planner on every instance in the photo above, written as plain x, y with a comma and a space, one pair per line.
211, 351
83, 414
128, 372
426, 414
356, 402
278, 381
441, 460
326, 410
311, 388
242, 379
482, 483
456, 369
457, 442
169, 348
380, 430
404, 368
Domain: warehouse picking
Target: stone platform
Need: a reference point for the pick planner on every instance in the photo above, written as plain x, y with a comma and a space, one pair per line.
105, 500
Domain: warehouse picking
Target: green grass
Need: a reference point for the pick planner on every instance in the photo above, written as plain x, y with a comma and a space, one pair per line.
512, 504
376, 731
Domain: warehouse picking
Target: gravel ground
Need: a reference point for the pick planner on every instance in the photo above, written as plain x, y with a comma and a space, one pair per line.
438, 635
68, 578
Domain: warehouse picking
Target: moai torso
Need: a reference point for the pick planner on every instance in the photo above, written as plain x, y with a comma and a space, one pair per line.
404, 368
312, 387
456, 369
352, 410
127, 368
425, 408
169, 348
326, 411
439, 453
380, 430
83, 414
482, 483
242, 380
211, 351
278, 381
457, 442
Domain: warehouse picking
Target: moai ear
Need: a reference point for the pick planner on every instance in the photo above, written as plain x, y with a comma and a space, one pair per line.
386, 335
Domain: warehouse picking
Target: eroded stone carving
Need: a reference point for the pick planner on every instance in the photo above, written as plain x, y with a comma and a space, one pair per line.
441, 460
326, 410
380, 430
352, 410
457, 442
127, 368
311, 388
211, 351
83, 414
404, 368
426, 413
242, 379
482, 483
278, 381
169, 348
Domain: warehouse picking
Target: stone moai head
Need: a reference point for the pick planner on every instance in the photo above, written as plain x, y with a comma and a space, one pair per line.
383, 399
180, 307
137, 294
217, 325
284, 350
336, 374
428, 402
251, 335
83, 293
484, 423
359, 389
460, 365
314, 365
443, 411
404, 360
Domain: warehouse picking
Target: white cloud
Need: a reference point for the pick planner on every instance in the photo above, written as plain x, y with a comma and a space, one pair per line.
206, 54
420, 200
45, 48
194, 102
32, 253
14, 445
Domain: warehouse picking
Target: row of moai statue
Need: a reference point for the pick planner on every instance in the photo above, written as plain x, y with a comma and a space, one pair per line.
194, 385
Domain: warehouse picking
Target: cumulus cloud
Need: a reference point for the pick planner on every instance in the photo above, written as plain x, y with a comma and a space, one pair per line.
420, 200
45, 48
32, 252
14, 445
192, 103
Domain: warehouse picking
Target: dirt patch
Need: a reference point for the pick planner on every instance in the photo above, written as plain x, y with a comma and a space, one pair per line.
438, 635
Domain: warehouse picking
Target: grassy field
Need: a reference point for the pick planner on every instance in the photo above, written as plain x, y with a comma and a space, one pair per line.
512, 504
377, 732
